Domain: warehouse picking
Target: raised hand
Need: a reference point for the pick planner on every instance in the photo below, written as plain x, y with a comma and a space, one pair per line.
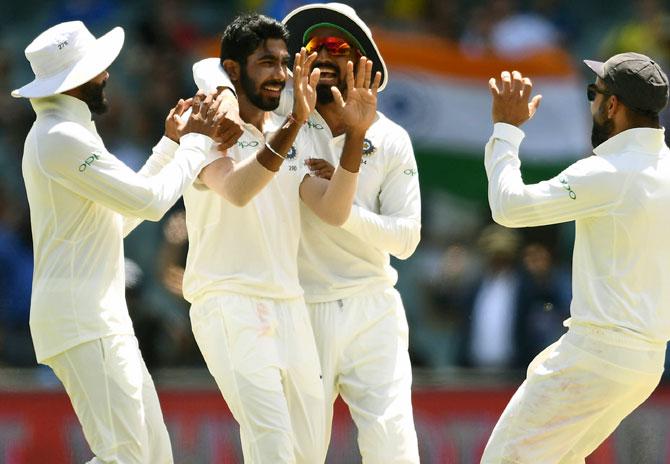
174, 123
360, 108
204, 118
304, 85
512, 104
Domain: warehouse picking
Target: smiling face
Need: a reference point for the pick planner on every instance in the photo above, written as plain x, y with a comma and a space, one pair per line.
333, 67
264, 75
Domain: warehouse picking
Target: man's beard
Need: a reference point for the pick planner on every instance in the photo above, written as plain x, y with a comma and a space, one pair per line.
601, 131
93, 95
323, 94
253, 92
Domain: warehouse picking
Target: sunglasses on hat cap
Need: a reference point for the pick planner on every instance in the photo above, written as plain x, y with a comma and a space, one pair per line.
335, 46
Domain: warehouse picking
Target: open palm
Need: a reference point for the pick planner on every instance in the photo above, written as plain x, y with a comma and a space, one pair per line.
360, 107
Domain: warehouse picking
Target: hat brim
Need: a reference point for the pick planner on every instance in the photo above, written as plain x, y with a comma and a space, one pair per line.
597, 67
98, 58
301, 19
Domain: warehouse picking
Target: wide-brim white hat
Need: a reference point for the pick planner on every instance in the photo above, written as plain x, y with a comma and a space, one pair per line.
301, 21
67, 56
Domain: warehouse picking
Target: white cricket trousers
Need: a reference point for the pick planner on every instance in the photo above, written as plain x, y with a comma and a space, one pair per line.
115, 400
261, 353
576, 393
363, 348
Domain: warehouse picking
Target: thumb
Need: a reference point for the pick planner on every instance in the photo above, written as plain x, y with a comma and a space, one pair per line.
534, 104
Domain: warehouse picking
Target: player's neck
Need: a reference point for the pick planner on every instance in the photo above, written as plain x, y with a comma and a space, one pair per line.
252, 114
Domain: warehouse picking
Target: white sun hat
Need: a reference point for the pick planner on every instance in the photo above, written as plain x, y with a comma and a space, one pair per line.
67, 55
305, 19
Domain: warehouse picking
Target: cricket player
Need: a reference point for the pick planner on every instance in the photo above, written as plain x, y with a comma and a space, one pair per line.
243, 218
83, 201
580, 388
357, 316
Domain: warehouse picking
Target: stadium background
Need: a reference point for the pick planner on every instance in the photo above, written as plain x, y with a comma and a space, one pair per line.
440, 54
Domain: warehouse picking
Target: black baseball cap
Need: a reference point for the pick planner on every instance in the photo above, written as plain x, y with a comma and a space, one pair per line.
637, 80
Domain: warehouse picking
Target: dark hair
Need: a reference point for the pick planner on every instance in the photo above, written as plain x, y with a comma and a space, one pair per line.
246, 33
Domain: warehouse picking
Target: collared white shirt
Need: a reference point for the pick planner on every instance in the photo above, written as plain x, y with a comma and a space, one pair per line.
83, 200
338, 262
619, 201
250, 250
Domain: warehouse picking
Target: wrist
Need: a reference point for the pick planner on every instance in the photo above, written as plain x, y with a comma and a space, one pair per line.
293, 119
354, 132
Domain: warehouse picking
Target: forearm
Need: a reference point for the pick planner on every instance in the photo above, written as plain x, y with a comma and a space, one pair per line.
333, 204
162, 155
166, 186
241, 184
278, 144
585, 189
398, 236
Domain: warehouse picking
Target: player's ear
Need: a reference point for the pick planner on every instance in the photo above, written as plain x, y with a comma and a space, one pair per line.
232, 68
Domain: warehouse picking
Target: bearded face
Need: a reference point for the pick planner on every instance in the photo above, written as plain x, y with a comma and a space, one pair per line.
264, 95
92, 93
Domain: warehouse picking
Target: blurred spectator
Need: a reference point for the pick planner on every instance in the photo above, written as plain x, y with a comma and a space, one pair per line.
147, 324
16, 272
501, 27
491, 326
170, 265
544, 302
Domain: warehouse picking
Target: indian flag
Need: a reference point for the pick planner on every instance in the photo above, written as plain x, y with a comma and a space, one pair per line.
441, 96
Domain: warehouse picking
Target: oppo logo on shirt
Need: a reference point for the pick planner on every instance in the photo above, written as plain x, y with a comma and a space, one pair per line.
314, 125
568, 188
88, 162
246, 144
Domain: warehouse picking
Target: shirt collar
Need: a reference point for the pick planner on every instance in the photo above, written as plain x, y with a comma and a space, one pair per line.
71, 107
639, 139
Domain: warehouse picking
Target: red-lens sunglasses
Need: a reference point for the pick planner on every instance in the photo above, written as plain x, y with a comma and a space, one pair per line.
336, 46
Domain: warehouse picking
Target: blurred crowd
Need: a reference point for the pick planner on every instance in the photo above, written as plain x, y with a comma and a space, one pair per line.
477, 294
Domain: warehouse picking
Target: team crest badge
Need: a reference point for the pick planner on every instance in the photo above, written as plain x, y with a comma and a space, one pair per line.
291, 153
368, 148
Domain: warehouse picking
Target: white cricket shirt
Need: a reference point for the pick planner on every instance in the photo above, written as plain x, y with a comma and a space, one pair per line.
79, 194
338, 262
619, 201
250, 250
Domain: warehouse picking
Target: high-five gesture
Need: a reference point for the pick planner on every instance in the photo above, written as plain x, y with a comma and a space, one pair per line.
304, 85
359, 110
512, 104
